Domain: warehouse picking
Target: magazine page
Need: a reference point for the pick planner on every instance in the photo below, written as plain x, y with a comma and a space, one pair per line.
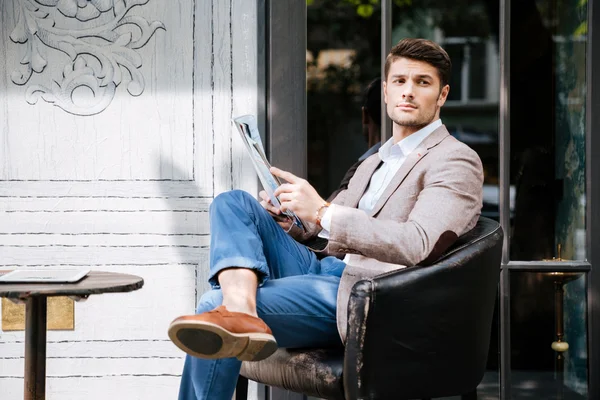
248, 129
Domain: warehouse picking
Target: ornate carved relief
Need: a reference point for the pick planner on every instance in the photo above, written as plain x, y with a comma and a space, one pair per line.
99, 54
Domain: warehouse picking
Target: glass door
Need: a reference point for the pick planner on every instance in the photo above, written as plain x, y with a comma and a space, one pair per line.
546, 255
520, 97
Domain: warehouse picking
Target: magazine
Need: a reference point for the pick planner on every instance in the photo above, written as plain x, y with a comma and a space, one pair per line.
248, 129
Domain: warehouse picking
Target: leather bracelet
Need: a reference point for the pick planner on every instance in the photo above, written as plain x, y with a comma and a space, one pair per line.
318, 215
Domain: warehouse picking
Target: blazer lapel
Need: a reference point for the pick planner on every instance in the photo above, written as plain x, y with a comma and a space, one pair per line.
413, 158
362, 178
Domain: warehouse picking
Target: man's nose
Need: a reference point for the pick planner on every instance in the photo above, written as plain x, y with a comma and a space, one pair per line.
408, 91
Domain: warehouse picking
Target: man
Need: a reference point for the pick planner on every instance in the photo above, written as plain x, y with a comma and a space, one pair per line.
404, 206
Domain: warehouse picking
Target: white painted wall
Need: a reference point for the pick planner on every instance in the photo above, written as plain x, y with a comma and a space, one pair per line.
126, 189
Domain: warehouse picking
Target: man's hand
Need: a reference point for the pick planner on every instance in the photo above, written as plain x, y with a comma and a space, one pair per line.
298, 196
266, 203
283, 220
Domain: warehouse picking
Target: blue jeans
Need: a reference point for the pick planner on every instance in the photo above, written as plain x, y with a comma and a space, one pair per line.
296, 295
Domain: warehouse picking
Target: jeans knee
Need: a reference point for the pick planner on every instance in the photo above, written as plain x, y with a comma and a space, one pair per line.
235, 196
209, 301
236, 199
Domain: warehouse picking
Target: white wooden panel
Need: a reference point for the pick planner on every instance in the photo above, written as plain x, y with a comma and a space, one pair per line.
203, 91
92, 367
97, 349
97, 255
121, 189
106, 240
107, 147
245, 85
100, 222
70, 204
110, 387
202, 274
149, 136
223, 90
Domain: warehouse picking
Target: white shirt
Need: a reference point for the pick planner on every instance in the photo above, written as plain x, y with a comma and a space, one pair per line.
393, 156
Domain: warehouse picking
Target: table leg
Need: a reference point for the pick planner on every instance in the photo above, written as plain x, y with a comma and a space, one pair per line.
35, 348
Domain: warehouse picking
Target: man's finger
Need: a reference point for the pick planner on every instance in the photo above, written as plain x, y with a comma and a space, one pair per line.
263, 195
286, 197
285, 188
269, 207
288, 176
273, 211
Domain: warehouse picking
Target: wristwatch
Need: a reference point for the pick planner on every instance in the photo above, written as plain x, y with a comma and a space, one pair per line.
321, 212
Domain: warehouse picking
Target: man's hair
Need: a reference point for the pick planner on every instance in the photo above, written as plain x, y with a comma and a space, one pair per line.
421, 50
372, 101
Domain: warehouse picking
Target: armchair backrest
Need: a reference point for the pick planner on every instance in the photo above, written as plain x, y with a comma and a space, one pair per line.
423, 332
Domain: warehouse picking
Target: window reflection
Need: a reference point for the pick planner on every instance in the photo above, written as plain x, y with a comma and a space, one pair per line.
343, 57
468, 30
343, 51
547, 135
548, 335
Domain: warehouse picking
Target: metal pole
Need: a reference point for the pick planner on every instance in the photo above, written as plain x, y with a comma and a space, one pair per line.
504, 157
35, 348
386, 44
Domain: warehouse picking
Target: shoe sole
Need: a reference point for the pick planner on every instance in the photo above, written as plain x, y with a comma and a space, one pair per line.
211, 341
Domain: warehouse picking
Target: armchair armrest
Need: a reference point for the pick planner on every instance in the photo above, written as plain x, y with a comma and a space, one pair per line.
424, 329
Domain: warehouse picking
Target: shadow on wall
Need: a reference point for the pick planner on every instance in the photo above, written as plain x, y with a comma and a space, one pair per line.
192, 246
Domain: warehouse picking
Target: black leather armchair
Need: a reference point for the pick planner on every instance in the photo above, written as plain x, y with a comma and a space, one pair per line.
416, 333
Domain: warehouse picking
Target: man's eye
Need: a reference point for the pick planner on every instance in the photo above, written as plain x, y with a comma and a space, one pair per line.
422, 82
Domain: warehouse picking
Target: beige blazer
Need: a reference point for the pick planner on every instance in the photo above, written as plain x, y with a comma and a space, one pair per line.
435, 196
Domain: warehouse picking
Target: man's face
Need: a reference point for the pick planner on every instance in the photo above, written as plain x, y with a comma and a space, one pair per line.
412, 93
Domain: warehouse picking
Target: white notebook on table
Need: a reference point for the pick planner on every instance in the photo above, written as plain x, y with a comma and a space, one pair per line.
44, 275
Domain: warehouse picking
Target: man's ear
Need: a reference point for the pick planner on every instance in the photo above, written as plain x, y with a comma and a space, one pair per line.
443, 95
365, 116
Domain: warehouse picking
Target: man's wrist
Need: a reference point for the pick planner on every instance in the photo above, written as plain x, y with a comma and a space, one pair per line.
321, 212
326, 219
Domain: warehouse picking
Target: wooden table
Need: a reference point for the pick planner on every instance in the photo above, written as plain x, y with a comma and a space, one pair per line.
34, 295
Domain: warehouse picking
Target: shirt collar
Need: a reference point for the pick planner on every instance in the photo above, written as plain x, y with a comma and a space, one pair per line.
403, 148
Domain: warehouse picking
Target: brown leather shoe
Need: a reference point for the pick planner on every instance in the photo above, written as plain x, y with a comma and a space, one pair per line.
220, 334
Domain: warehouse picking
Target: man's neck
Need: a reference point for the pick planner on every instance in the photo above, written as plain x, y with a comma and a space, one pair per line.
402, 132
